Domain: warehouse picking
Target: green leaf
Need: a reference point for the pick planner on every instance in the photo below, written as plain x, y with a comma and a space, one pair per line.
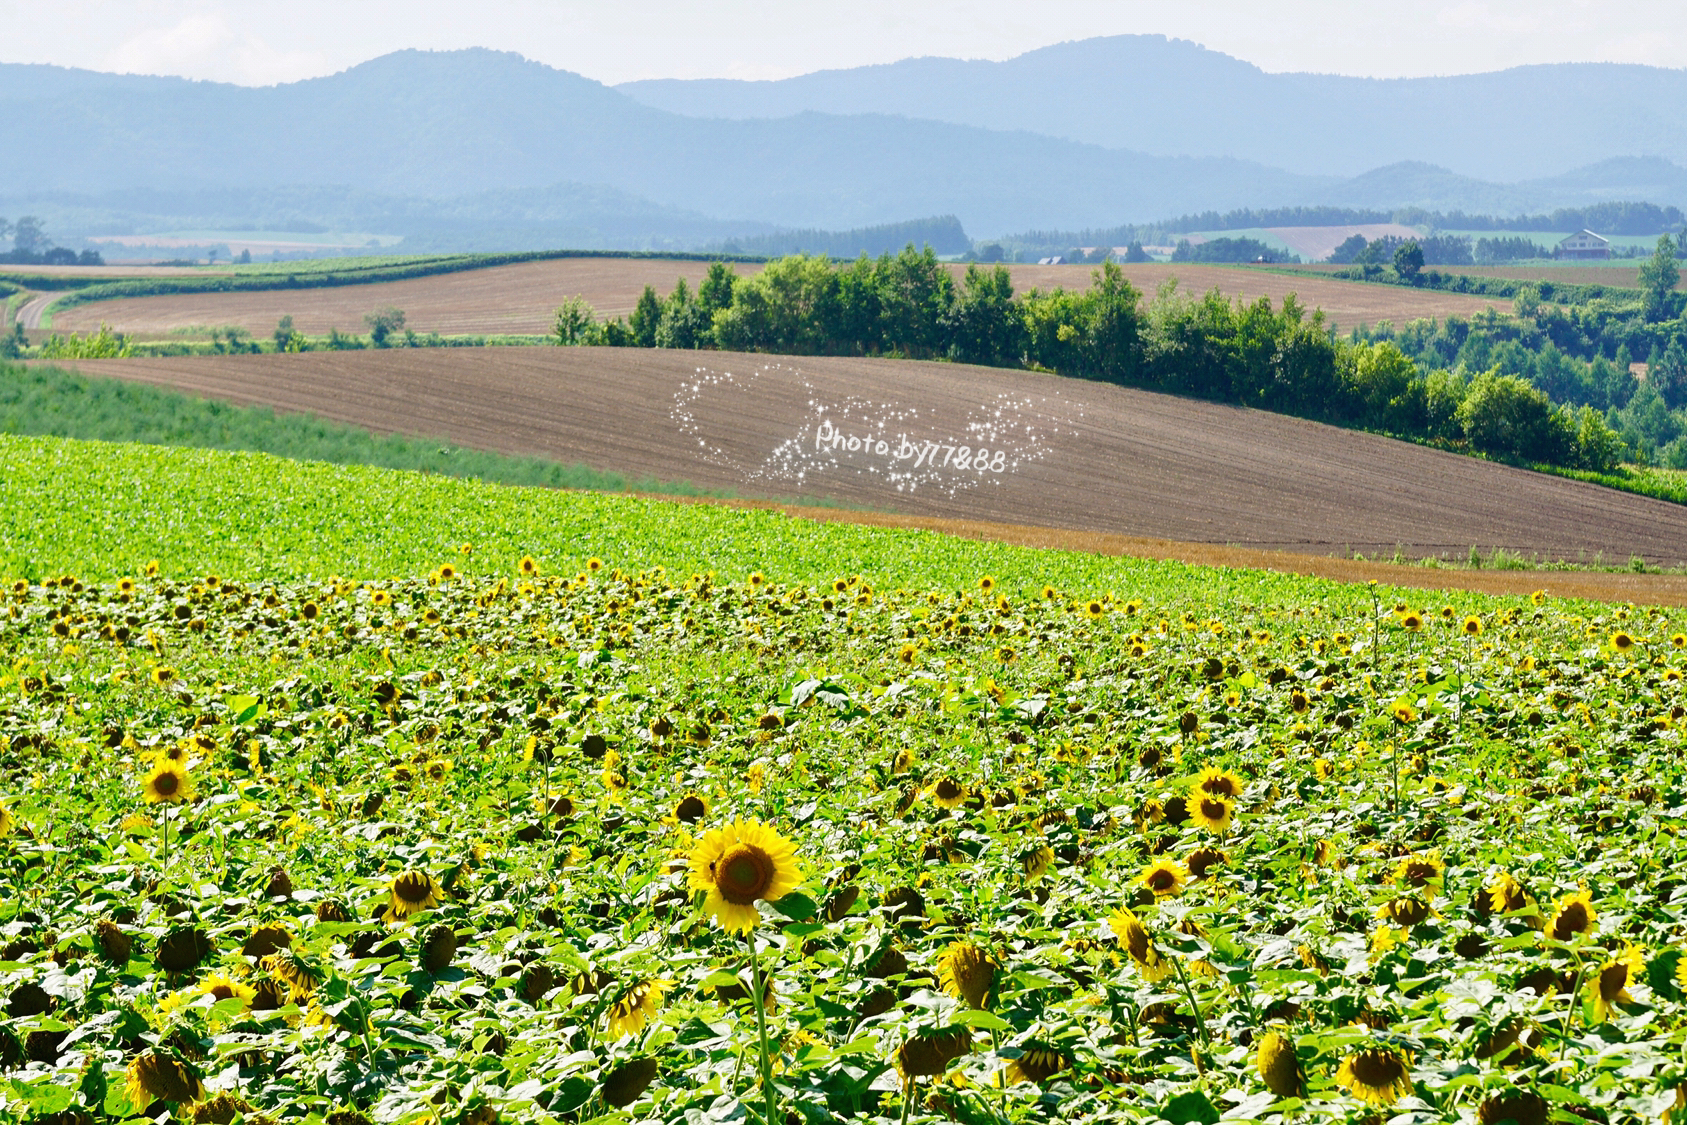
1192, 1106
974, 1017
796, 906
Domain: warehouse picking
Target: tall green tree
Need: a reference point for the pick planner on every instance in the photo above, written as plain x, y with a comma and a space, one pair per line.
1408, 261
1659, 276
647, 314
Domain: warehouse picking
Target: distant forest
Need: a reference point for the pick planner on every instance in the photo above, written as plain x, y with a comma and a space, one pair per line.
1604, 218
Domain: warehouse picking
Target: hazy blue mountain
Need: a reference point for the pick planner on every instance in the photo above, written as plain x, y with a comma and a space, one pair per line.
1171, 97
480, 148
452, 123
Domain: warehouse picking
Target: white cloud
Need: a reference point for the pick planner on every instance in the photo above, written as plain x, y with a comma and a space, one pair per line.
206, 47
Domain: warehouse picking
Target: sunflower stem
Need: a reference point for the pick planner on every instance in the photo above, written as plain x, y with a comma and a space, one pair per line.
1575, 1000
761, 1034
1183, 979
908, 1091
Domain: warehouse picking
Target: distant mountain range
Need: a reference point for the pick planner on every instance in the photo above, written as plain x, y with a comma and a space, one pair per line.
1170, 97
482, 149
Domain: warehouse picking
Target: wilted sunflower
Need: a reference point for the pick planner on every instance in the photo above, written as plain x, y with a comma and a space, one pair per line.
635, 1007
1609, 986
1377, 1075
167, 784
1575, 916
1212, 813
1130, 931
1278, 1067
301, 976
1214, 782
1407, 910
411, 892
1036, 862
928, 1054
155, 1076
1036, 1064
738, 864
1163, 878
967, 973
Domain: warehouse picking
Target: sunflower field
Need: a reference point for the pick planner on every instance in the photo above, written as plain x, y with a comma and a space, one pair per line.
599, 843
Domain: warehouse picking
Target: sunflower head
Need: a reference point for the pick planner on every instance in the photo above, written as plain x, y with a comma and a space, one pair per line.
967, 973
411, 892
1472, 626
691, 808
167, 784
1609, 986
528, 566
1575, 916
1134, 936
739, 864
1417, 870
1411, 621
948, 793
1622, 640
1278, 1066
1164, 878
1407, 910
1520, 1106
1037, 1063
1215, 814
629, 1012
1403, 712
1504, 895
1214, 782
1379, 1076
156, 1076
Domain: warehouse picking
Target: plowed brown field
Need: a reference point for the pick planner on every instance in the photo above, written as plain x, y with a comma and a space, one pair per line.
1083, 464
522, 299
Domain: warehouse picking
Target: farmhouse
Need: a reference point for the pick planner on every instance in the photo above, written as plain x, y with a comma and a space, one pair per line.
1584, 244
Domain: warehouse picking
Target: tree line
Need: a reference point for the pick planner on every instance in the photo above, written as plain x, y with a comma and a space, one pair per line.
1283, 359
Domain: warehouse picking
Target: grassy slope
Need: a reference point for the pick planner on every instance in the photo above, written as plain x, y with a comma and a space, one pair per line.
101, 511
49, 402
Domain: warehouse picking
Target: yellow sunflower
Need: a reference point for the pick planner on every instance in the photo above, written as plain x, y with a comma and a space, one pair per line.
528, 566
1212, 813
1506, 895
411, 892
1575, 916
1472, 626
635, 1007
1622, 640
167, 784
967, 973
1411, 621
1379, 1076
1130, 931
1609, 986
1417, 870
1214, 782
948, 793
736, 865
1163, 878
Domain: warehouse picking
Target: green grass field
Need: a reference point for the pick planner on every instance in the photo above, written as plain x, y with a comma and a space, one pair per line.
388, 797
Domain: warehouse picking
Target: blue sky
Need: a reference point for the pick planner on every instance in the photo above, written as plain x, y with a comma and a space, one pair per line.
257, 43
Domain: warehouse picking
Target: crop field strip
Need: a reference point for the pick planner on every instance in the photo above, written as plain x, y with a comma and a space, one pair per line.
522, 299
1134, 463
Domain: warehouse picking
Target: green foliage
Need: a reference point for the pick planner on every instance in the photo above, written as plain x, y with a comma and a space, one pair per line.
382, 324
576, 323
41, 400
1227, 250
1506, 417
104, 344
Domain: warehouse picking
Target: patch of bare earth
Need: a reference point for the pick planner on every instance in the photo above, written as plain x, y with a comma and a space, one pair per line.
522, 299
1086, 466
